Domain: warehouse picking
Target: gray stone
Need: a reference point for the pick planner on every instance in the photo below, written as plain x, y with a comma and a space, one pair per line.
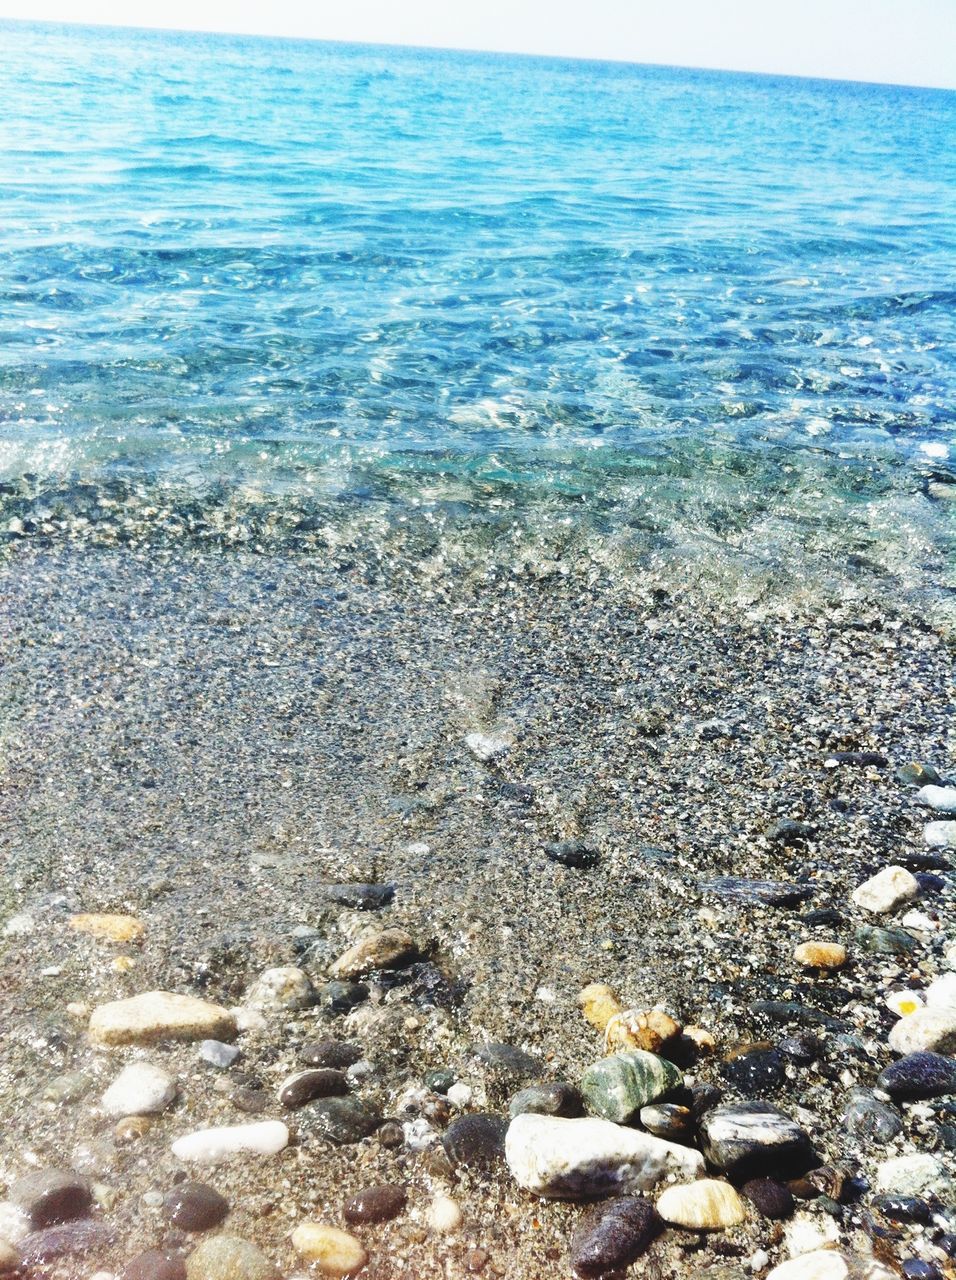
476, 1141
868, 1118
48, 1196
919, 1075
66, 1240
229, 1258
755, 1137
558, 1099
343, 1120
218, 1054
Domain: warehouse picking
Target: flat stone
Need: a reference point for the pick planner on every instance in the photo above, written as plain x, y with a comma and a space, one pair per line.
868, 1118
769, 1197
194, 1206
558, 1099
306, 1086
210, 1146
509, 1060
790, 831
926, 1030
360, 897
617, 1087
333, 1251
919, 1075
375, 1204
611, 1236
66, 1240
940, 835
283, 988
337, 1054
67, 1088
159, 1015
903, 1208
913, 1175
867, 759
821, 955
343, 1120
155, 1264
754, 1137
141, 1089
390, 949
789, 1011
886, 891
342, 997
705, 1205
942, 799
668, 1120
229, 1258
48, 1196
476, 1141
218, 1054
572, 853
108, 928
828, 1264
582, 1159
755, 1072
769, 893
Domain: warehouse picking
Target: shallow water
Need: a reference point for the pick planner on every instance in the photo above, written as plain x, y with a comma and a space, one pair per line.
332, 282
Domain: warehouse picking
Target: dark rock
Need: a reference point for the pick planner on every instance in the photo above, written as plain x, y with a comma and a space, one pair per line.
424, 985
886, 942
48, 1196
802, 1048
509, 1060
306, 1086
754, 1138
790, 831
341, 997
440, 1080
612, 1236
702, 1096
756, 1072
571, 853
155, 1264
342, 1120
902, 1208
70, 1239
375, 1204
360, 897
558, 1099
391, 1134
195, 1206
770, 1197
856, 757
823, 917
476, 1141
769, 893
919, 1075
918, 1269
251, 1100
868, 1118
337, 1054
801, 1014
668, 1120
917, 862
929, 883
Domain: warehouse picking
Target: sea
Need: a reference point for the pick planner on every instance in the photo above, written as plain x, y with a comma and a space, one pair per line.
275, 292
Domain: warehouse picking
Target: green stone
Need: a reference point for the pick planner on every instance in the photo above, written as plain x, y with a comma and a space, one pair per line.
888, 942
917, 774
617, 1087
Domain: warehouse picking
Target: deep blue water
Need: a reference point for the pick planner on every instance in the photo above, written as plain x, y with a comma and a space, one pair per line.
298, 268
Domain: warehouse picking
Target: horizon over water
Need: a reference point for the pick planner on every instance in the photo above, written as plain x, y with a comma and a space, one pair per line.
255, 285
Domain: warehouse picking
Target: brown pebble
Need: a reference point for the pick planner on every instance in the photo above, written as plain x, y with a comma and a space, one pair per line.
132, 1128
252, 1101
306, 1086
375, 1204
391, 1134
476, 1259
821, 955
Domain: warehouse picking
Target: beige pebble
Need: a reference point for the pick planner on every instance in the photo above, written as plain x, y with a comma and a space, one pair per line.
132, 1128
820, 955
385, 950
334, 1252
108, 928
705, 1205
599, 1005
159, 1015
444, 1215
702, 1040
649, 1030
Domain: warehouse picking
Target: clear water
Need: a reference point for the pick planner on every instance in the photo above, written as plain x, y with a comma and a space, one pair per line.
284, 272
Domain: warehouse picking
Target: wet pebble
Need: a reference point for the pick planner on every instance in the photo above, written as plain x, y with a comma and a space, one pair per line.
668, 1120
342, 997
558, 1099
509, 1060
572, 853
336, 1054
770, 893
898, 1208
618, 1086
343, 1120
140, 1089
69, 1239
194, 1206
209, 1146
279, 989
756, 1072
919, 1075
771, 1198
48, 1196
755, 1137
333, 1251
218, 1054
389, 949
229, 1258
155, 1264
360, 896
305, 1086
868, 1118
157, 1016
375, 1204
611, 1236
476, 1141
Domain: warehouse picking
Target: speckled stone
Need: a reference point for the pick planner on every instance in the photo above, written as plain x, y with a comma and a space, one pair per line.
668, 1120
617, 1087
305, 1086
336, 1054
48, 1196
927, 1030
159, 1015
360, 896
886, 942
229, 1258
868, 1118
282, 988
476, 1141
912, 1175
820, 955
705, 1205
771, 1198
155, 1264
886, 891
194, 1206
754, 1137
558, 1099
611, 1236
375, 1204
919, 1075
343, 1120
108, 928
141, 1088
755, 1072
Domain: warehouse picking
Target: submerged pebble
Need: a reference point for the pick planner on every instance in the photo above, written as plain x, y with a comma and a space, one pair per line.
612, 1236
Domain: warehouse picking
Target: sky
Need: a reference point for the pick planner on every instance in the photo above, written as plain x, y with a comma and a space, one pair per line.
894, 41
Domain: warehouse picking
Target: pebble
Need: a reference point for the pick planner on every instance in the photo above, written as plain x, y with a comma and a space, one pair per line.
668, 1120
155, 1264
283, 988
868, 1118
821, 955
886, 891
209, 1146
617, 1087
439, 1080
65, 1240
108, 928
488, 746
333, 1251
769, 893
337, 1054
940, 835
194, 1206
705, 1205
926, 1030
570, 1159
828, 1264
159, 1015
342, 997
599, 1004
360, 897
509, 1060
375, 1204
771, 1198
919, 1075
891, 942
476, 1141
67, 1088
9, 1258
48, 1196
611, 1236
229, 1258
912, 1175
444, 1215
305, 1086
866, 758
752, 1136
344, 1120
390, 949
649, 1030
916, 773
942, 799
789, 831
558, 1099
902, 1208
218, 1054
755, 1072
941, 993
140, 1089
572, 853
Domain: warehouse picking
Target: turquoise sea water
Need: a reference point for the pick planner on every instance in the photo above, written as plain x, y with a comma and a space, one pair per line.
311, 277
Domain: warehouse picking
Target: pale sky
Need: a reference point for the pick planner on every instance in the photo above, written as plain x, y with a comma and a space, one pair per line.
896, 41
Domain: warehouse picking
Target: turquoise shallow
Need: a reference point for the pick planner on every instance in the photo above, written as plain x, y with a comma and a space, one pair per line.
281, 271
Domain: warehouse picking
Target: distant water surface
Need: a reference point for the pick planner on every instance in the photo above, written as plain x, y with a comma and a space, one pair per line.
316, 276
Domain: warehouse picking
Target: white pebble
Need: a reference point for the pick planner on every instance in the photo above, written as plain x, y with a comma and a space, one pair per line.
488, 746
139, 1090
919, 921
911, 1175
19, 925
941, 993
207, 1146
903, 1003
806, 1234
940, 835
759, 1260
460, 1095
218, 1054
14, 1223
886, 891
419, 1135
942, 799
444, 1215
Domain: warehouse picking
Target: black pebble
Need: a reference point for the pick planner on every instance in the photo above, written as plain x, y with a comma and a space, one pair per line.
360, 897
902, 1208
375, 1204
919, 1075
917, 1269
306, 1086
476, 1141
509, 1060
155, 1264
338, 1054
558, 1099
571, 853
194, 1206
612, 1236
340, 997
343, 1119
755, 1073
771, 1198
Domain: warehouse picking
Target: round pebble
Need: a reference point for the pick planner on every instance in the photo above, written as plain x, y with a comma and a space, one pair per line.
375, 1204
332, 1251
194, 1206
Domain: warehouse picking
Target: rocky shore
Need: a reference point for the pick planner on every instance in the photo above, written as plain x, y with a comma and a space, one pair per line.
364, 922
